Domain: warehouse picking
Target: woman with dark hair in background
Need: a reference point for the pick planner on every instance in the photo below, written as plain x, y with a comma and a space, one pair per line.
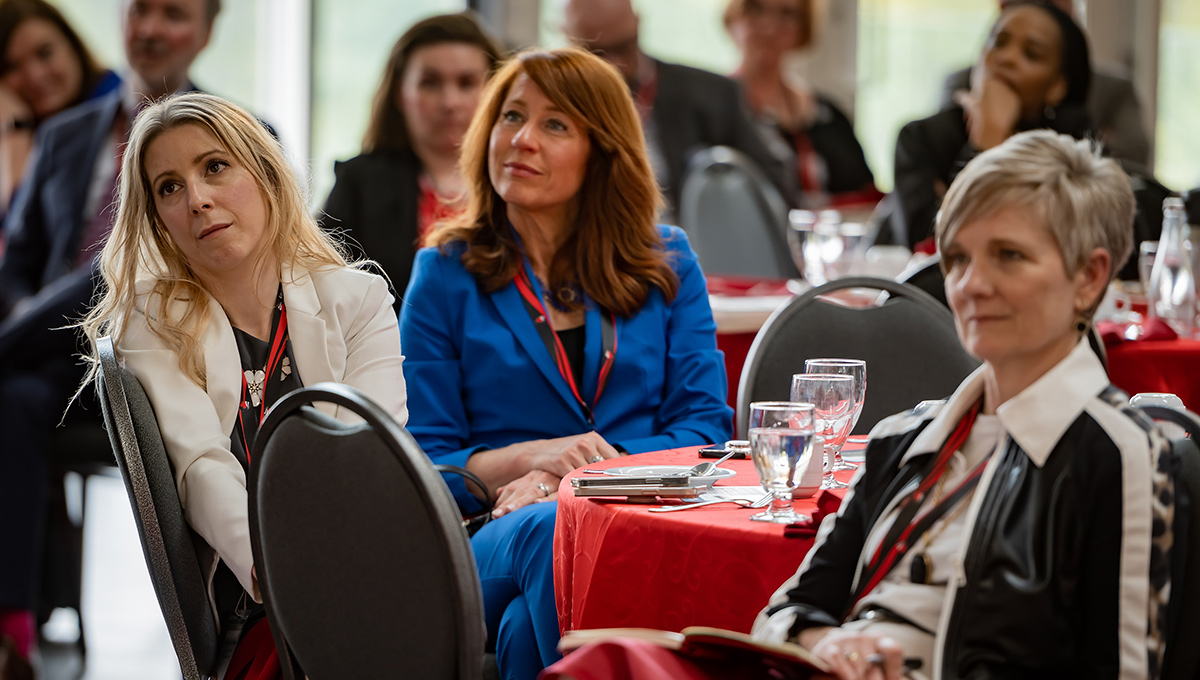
1034, 72
554, 325
407, 177
805, 128
44, 68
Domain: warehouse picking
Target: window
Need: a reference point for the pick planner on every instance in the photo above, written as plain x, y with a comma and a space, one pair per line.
1177, 148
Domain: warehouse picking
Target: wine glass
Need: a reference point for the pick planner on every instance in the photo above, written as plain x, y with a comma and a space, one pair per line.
781, 438
856, 368
832, 397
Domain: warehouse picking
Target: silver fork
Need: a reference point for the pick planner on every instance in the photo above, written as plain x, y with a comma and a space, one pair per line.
761, 502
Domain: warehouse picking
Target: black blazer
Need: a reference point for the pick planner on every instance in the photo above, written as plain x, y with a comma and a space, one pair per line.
695, 109
374, 201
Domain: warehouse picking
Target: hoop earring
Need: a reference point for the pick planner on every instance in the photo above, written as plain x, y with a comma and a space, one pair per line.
1081, 324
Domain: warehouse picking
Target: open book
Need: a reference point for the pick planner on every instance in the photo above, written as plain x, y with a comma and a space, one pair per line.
701, 641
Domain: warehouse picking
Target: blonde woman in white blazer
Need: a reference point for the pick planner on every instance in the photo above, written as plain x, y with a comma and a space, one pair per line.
213, 261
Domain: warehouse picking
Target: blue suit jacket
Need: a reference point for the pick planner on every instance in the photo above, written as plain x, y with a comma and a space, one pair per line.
480, 377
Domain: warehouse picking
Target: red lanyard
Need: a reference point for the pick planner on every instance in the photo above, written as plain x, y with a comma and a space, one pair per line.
896, 541
537, 312
278, 345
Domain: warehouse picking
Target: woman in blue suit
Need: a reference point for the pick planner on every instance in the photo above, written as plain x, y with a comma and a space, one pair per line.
554, 325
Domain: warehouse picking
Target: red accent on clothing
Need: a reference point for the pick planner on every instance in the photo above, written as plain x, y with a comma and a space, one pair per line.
431, 209
255, 657
20, 626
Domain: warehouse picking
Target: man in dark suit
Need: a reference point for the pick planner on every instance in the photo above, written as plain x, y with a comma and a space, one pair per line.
58, 222
683, 109
1111, 103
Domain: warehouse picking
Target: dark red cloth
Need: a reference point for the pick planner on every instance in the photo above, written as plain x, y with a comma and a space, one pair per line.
255, 657
735, 346
1158, 366
618, 565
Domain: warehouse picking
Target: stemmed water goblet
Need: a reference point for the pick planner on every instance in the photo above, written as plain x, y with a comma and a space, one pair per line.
781, 439
857, 369
832, 397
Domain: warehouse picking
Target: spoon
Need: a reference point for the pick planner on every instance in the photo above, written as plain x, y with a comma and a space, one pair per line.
706, 468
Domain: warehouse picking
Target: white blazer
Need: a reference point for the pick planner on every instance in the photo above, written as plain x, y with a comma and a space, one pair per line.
342, 328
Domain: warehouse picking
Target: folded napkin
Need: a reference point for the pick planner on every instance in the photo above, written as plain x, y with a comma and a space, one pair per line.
827, 504
1152, 328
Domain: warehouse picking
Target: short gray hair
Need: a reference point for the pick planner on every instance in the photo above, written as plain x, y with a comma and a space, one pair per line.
1085, 200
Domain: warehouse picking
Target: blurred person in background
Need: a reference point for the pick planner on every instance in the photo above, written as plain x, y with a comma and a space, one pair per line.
1111, 102
553, 325
388, 198
1034, 72
683, 109
803, 127
44, 69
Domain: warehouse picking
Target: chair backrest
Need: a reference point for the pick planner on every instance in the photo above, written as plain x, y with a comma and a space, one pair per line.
365, 568
909, 343
167, 542
734, 217
929, 278
1183, 654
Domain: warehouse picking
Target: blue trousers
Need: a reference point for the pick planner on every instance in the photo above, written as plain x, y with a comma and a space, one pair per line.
516, 571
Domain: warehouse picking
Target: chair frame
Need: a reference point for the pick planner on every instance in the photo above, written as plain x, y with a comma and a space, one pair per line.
781, 316
406, 450
1190, 422
123, 436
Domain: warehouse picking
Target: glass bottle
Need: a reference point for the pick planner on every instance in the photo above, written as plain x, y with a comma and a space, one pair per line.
1172, 294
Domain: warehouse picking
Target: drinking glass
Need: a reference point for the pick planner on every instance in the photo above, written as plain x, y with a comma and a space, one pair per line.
781, 439
855, 368
832, 397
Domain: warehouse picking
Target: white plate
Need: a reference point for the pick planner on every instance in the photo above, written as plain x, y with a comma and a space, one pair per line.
668, 471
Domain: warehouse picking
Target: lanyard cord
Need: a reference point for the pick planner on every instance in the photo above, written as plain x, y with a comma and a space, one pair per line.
278, 345
896, 542
537, 312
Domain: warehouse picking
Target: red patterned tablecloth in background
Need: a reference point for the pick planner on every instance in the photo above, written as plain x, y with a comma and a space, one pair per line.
616, 564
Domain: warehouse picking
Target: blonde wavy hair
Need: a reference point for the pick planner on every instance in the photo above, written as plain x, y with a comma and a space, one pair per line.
139, 247
615, 252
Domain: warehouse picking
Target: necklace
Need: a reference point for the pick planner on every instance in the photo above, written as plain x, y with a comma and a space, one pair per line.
562, 299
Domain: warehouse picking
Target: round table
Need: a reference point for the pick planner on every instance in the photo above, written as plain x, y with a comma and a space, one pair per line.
1157, 366
618, 565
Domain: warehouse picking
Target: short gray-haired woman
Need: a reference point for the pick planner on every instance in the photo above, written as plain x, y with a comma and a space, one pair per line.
1053, 499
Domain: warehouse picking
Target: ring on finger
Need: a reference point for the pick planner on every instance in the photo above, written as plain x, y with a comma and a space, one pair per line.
852, 656
595, 459
545, 489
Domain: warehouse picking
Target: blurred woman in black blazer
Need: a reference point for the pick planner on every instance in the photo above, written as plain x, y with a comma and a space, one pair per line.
406, 177
1034, 72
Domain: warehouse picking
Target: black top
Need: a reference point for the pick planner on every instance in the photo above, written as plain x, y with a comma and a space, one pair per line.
233, 605
374, 201
573, 340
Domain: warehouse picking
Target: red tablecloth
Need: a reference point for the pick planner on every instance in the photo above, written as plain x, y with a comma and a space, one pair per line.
735, 346
617, 564
1156, 366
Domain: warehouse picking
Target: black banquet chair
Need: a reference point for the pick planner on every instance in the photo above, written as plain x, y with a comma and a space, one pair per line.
365, 568
168, 544
734, 217
1182, 660
908, 341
